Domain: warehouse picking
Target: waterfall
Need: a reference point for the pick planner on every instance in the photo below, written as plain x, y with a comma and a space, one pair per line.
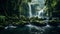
40, 13
36, 8
30, 12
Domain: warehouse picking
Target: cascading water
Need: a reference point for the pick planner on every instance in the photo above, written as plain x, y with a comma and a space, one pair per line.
41, 13
36, 8
30, 13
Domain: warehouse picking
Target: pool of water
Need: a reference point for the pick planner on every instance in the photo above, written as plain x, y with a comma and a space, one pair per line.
32, 29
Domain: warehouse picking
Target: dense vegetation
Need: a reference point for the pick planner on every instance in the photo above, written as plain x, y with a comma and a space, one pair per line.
16, 11
53, 9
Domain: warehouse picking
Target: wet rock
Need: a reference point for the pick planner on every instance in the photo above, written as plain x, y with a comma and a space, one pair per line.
38, 24
53, 23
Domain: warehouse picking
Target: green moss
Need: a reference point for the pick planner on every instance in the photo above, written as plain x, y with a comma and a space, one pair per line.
54, 3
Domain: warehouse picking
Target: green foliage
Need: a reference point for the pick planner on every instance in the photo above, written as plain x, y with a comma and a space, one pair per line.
2, 20
52, 6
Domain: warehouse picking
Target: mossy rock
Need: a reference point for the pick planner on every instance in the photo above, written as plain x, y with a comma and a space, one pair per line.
38, 23
21, 23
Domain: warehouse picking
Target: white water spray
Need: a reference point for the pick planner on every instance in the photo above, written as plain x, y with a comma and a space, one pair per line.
39, 7
30, 13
